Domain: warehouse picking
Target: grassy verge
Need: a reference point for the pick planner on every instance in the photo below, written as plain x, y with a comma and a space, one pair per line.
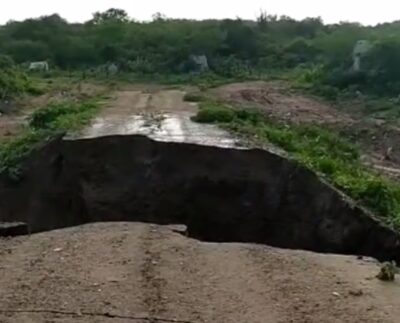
319, 149
44, 123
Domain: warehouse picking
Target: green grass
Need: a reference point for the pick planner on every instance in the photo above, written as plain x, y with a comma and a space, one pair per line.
63, 116
333, 157
44, 123
14, 150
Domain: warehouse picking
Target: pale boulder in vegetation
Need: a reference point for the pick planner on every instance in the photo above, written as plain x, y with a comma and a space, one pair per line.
39, 66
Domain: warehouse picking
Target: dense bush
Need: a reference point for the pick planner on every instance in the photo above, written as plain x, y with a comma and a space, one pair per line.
12, 81
62, 116
211, 112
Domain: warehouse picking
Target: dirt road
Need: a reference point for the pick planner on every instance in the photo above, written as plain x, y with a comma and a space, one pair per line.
159, 114
133, 272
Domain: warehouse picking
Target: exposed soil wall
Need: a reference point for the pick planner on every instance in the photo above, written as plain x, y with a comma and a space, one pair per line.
220, 194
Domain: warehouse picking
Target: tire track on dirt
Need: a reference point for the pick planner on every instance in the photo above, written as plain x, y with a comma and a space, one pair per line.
207, 282
153, 283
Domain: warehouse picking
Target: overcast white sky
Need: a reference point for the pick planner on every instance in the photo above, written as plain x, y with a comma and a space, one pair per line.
364, 11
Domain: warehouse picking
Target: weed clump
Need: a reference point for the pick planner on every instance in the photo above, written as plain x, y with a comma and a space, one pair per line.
388, 271
193, 97
214, 113
46, 122
62, 116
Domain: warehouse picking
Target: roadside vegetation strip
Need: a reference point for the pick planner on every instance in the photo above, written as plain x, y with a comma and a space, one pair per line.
319, 149
44, 124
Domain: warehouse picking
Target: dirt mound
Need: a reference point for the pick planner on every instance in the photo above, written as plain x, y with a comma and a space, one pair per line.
277, 100
220, 194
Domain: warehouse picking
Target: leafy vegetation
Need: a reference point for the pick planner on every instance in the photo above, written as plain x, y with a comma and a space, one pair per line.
193, 97
63, 116
45, 123
321, 54
14, 150
317, 148
13, 82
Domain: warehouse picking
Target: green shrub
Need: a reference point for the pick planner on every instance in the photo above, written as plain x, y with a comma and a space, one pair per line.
12, 81
193, 97
44, 123
214, 113
62, 116
13, 151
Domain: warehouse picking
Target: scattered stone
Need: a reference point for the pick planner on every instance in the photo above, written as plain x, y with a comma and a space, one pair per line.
356, 293
336, 294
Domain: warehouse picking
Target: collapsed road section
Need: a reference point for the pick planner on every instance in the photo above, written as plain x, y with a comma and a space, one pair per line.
220, 194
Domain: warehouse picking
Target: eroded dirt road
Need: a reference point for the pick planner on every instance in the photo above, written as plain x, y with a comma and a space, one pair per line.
160, 114
132, 272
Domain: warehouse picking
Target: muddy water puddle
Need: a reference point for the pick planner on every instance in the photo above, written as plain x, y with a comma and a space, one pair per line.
169, 127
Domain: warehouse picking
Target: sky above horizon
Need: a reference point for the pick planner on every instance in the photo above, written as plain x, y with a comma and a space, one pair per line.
365, 12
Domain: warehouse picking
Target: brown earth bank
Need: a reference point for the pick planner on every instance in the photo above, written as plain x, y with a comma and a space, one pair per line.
224, 195
279, 101
133, 272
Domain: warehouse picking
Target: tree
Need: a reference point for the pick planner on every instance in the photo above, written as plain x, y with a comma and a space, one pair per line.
383, 66
27, 50
158, 17
111, 15
300, 51
240, 39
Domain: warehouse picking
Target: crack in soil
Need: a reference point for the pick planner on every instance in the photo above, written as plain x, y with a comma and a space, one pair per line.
151, 319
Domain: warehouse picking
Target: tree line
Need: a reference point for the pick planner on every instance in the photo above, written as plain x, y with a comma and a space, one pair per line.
233, 46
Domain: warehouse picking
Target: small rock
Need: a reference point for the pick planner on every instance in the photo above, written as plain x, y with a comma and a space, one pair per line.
336, 294
356, 293
57, 249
